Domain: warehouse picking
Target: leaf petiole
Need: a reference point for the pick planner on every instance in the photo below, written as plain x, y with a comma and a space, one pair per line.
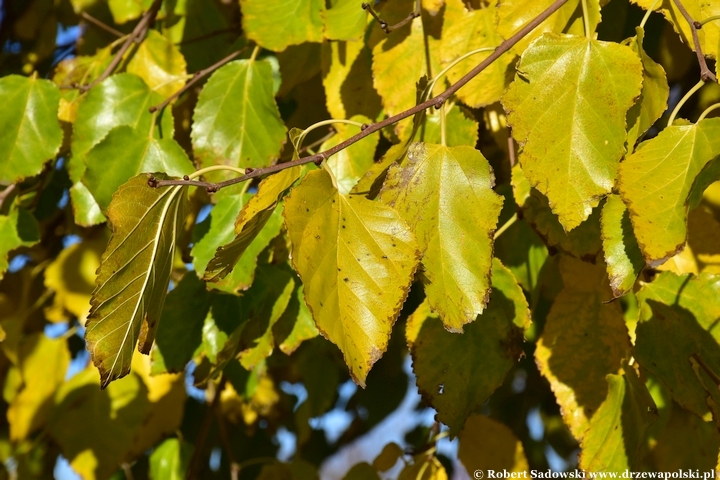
683, 100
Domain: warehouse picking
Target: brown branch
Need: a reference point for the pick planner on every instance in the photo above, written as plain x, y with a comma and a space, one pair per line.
138, 32
705, 73
100, 24
433, 102
7, 193
389, 28
196, 77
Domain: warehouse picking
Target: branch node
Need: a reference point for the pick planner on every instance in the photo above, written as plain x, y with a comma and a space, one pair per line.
697, 25
439, 104
249, 170
320, 158
212, 188
364, 126
152, 182
186, 178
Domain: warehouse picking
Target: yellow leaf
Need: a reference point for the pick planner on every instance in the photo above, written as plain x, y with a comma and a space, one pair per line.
159, 62
486, 444
356, 259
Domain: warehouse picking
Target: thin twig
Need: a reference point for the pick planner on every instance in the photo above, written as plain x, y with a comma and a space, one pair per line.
433, 102
196, 78
511, 150
100, 24
138, 32
389, 28
705, 73
6, 193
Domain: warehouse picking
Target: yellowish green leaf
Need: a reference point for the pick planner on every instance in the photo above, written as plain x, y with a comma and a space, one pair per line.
567, 108
356, 259
299, 21
17, 229
125, 10
622, 254
85, 209
134, 273
345, 20
445, 194
654, 96
236, 120
514, 14
160, 64
303, 326
350, 164
169, 461
30, 133
584, 340
656, 180
460, 127
467, 30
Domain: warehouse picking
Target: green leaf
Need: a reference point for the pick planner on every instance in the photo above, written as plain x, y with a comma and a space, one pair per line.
348, 81
236, 120
349, 165
169, 461
567, 108
17, 229
85, 209
126, 152
181, 323
464, 31
487, 444
345, 20
299, 21
298, 64
134, 273
514, 14
615, 438
584, 339
709, 34
460, 126
160, 64
622, 254
676, 326
249, 225
654, 96
453, 384
295, 325
582, 242
445, 194
125, 10
30, 134
656, 181
356, 259
122, 99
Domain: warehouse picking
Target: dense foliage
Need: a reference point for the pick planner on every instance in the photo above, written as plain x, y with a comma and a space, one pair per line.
219, 217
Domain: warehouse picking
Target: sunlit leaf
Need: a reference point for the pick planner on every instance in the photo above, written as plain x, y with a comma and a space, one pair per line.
236, 120
654, 96
302, 324
466, 30
567, 108
250, 224
656, 180
85, 209
356, 259
445, 194
453, 384
30, 134
345, 20
574, 365
424, 468
514, 14
126, 152
622, 254
709, 34
169, 461
615, 437
159, 63
134, 273
350, 164
126, 10
299, 21
486, 444
460, 126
